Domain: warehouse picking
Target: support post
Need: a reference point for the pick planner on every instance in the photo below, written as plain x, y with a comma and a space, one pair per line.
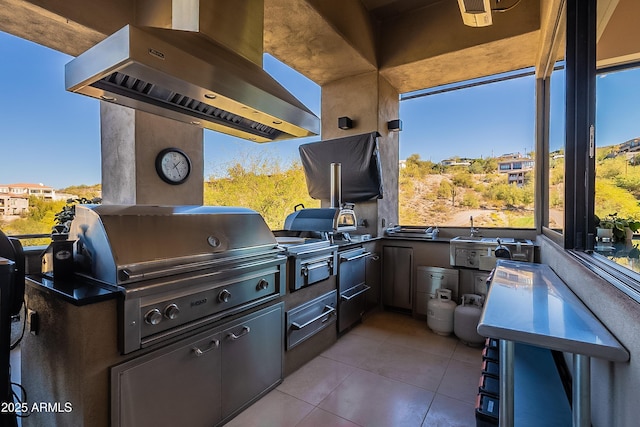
581, 391
507, 361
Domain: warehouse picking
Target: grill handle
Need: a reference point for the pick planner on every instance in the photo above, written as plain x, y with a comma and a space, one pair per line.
212, 346
329, 311
325, 263
245, 331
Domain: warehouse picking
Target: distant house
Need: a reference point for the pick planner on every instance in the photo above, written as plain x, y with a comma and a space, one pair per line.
14, 198
516, 168
629, 146
25, 189
11, 204
511, 156
455, 162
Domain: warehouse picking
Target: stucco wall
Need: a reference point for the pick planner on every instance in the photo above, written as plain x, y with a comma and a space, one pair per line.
370, 101
130, 142
614, 386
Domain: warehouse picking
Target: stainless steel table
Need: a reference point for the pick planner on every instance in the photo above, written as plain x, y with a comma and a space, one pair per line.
529, 303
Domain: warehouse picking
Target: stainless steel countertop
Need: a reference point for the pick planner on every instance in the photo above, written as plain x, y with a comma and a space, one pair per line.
529, 303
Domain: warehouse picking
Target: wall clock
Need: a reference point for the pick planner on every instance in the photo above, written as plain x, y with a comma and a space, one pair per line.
173, 166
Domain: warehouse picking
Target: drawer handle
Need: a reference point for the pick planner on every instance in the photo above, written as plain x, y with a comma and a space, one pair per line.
245, 331
309, 267
212, 345
353, 258
329, 311
360, 292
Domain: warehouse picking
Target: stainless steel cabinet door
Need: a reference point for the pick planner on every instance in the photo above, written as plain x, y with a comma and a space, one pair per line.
397, 276
175, 386
252, 355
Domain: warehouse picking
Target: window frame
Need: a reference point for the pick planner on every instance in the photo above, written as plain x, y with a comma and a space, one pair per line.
578, 236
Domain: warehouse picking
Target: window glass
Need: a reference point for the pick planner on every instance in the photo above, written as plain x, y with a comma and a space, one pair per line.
556, 150
617, 194
468, 151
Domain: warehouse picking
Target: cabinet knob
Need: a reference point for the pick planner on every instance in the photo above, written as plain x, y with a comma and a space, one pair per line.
171, 311
153, 317
262, 285
224, 296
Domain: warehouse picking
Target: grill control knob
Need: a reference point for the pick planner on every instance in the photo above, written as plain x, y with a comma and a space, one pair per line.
224, 296
262, 285
171, 311
153, 317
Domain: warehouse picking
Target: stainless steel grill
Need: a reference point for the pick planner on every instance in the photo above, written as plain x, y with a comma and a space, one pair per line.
179, 267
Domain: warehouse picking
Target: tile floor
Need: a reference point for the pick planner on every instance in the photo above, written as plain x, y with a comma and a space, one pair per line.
389, 371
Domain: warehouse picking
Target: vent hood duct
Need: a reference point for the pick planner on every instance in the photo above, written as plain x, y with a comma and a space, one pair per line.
188, 76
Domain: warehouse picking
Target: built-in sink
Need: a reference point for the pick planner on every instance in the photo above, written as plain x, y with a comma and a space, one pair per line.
468, 239
467, 251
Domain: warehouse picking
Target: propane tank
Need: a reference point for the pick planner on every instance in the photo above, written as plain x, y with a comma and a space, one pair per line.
440, 312
466, 319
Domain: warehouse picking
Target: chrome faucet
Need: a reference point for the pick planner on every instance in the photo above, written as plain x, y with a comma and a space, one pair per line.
474, 231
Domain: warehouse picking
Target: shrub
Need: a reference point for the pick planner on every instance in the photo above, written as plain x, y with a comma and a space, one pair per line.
470, 200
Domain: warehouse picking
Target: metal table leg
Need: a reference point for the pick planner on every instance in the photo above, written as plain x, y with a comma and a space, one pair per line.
507, 361
581, 391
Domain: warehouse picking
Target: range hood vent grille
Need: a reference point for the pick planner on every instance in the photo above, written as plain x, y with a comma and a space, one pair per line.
132, 87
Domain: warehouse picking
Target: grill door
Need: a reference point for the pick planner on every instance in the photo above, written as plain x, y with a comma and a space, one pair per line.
175, 386
397, 276
252, 358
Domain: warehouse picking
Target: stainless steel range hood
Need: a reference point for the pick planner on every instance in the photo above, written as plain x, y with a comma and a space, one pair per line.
190, 77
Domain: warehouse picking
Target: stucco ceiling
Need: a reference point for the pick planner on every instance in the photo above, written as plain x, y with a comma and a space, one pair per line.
414, 44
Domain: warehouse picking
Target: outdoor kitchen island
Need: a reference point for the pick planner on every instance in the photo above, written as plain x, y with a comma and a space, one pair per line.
87, 351
529, 304
149, 323
71, 360
183, 327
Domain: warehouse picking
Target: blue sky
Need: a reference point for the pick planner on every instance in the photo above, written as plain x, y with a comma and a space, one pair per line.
51, 136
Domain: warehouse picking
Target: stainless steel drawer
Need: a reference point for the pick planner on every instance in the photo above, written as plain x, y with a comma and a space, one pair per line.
310, 270
311, 317
352, 306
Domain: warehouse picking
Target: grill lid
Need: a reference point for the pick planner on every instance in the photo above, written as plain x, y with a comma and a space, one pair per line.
128, 243
323, 220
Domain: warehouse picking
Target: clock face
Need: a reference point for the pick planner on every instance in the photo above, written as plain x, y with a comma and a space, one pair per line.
173, 166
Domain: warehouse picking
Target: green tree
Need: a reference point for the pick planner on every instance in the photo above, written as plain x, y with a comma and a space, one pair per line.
84, 191
39, 220
477, 167
470, 200
444, 190
261, 183
463, 179
490, 165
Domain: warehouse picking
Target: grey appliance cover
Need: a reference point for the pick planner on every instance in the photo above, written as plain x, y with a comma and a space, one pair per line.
361, 171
